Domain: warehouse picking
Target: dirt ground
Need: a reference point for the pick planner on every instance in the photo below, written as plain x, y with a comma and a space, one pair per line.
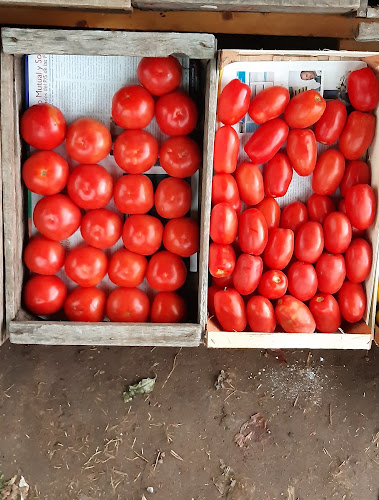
314, 432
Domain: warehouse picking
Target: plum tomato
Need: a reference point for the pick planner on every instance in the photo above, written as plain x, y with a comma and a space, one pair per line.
279, 248
277, 175
85, 304
355, 233
309, 242
357, 135
166, 271
356, 172
271, 212
328, 172
173, 198
128, 305
44, 256
294, 316
337, 232
127, 268
90, 186
326, 312
45, 173
212, 290
168, 307
135, 151
176, 113
180, 156
223, 224
230, 310
358, 260
294, 216
273, 284
302, 281
260, 315
222, 260
159, 75
132, 107
226, 148
86, 265
247, 273
56, 217
252, 231
302, 151
225, 282
181, 236
43, 126
352, 301
331, 272
88, 141
319, 206
142, 234
268, 104
330, 125
250, 183
360, 206
225, 190
233, 102
363, 89
304, 109
266, 141
101, 228
134, 194
44, 294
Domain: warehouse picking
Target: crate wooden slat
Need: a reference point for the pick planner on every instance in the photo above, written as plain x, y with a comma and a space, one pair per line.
72, 4
4, 76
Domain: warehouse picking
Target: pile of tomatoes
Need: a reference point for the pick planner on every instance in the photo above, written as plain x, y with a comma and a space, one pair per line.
302, 268
77, 198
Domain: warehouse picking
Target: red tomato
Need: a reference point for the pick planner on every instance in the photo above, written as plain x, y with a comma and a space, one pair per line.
319, 207
127, 268
330, 125
90, 186
355, 233
230, 310
268, 104
222, 260
302, 151
304, 109
363, 89
302, 281
247, 273
86, 265
277, 175
233, 102
252, 231
358, 259
356, 172
159, 75
88, 141
273, 284
85, 304
331, 272
180, 156
181, 236
225, 190
168, 307
212, 290
134, 194
266, 141
43, 126
361, 206
135, 151
226, 149
326, 312
166, 271
260, 314
142, 234
225, 282
132, 107
56, 217
309, 242
128, 305
328, 172
223, 224
45, 173
294, 216
250, 183
294, 316
101, 228
44, 294
352, 301
43, 256
337, 232
176, 113
173, 198
279, 248
271, 212
357, 135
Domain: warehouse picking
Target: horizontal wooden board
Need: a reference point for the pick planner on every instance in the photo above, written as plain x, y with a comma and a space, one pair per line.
367, 32
73, 4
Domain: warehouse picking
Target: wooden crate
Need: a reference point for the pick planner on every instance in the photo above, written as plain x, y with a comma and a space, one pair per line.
72, 4
22, 327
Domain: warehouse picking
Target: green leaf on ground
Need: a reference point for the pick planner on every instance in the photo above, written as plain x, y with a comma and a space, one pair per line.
144, 386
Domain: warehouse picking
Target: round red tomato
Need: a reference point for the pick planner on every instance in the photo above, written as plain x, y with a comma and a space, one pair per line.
358, 259
352, 301
319, 207
268, 104
127, 268
135, 151
142, 234
260, 315
132, 107
226, 150
225, 282
361, 206
356, 172
273, 284
223, 224
250, 183
302, 281
271, 212
230, 310
330, 125
168, 307
252, 231
337, 232
86, 265
176, 113
159, 75
212, 290
233, 102
181, 236
44, 256
88, 141
294, 316
355, 233
134, 194
173, 198
304, 109
309, 242
101, 228
90, 186
357, 135
331, 272
225, 190
266, 141
166, 271
56, 217
326, 312
247, 273
277, 175
328, 172
302, 151
180, 156
85, 304
44, 294
128, 305
222, 260
45, 173
363, 89
294, 216
43, 126
279, 248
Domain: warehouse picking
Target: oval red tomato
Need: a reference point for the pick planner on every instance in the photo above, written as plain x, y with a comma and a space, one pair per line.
45, 172
223, 224
360, 205
180, 156
181, 236
356, 172
90, 186
135, 151
88, 141
142, 234
247, 273
85, 304
222, 260
304, 109
352, 301
309, 242
176, 113
44, 294
273, 284
127, 268
225, 282
358, 259
355, 233
319, 207
166, 271
363, 89
302, 281
101, 228
86, 265
328, 172
326, 312
331, 272
128, 305
250, 183
134, 194
43, 126
132, 107
271, 212
44, 256
168, 307
266, 141
330, 125
302, 151
294, 316
279, 248
230, 310
212, 290
252, 231
268, 104
226, 148
56, 217
357, 135
260, 315
159, 75
337, 232
225, 190
278, 175
173, 198
233, 102
294, 216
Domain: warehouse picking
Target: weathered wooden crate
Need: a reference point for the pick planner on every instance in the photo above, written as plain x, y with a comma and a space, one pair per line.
21, 326
73, 4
